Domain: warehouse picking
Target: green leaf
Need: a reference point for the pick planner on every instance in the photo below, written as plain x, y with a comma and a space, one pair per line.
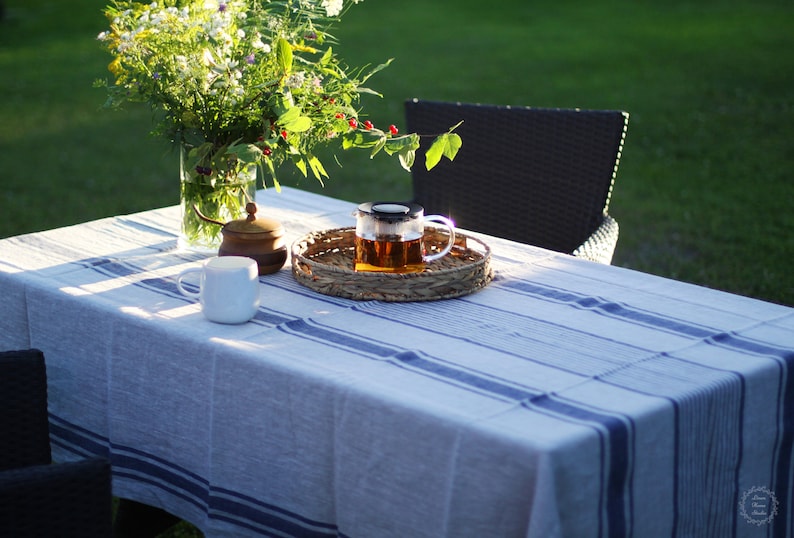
292, 120
299, 125
375, 70
380, 143
272, 169
358, 139
301, 165
317, 169
370, 91
407, 157
445, 145
284, 55
247, 153
402, 143
327, 57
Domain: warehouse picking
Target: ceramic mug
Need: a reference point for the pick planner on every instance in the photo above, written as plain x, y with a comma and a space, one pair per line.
228, 288
389, 237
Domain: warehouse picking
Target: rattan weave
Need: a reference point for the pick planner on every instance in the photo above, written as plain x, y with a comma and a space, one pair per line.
24, 426
65, 500
38, 498
540, 176
323, 261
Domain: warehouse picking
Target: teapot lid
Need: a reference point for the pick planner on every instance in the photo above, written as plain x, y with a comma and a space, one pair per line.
391, 210
261, 226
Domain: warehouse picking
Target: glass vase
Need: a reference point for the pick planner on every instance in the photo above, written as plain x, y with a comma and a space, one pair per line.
212, 187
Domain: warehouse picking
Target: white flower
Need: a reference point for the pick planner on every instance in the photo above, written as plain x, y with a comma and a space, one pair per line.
257, 43
207, 57
332, 7
296, 80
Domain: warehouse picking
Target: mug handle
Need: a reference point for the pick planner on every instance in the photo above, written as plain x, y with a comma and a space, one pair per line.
450, 227
182, 290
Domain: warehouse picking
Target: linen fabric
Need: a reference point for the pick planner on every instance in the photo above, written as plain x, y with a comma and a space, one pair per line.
567, 398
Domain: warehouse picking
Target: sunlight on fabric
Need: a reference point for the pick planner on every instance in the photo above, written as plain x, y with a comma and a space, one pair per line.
136, 311
75, 291
182, 311
243, 345
95, 288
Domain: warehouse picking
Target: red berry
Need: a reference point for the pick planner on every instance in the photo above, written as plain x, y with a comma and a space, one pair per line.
267, 152
284, 134
368, 125
393, 130
339, 115
353, 123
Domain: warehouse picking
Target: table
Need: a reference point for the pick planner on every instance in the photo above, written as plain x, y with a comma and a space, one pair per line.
567, 398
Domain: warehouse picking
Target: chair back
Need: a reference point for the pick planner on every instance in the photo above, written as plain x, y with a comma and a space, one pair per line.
24, 425
37, 498
67, 500
535, 175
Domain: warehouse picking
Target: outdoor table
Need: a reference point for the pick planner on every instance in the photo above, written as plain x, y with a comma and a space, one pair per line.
567, 398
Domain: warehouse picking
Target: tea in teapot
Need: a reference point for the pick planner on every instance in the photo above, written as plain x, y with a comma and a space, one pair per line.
389, 237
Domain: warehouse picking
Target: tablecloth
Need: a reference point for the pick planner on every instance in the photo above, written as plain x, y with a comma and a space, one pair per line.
567, 398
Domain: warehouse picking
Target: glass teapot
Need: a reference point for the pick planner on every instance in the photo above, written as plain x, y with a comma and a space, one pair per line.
389, 237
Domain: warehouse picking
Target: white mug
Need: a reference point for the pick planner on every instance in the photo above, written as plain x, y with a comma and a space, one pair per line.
228, 288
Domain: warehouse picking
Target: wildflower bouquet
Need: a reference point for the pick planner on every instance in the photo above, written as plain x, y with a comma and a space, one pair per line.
243, 83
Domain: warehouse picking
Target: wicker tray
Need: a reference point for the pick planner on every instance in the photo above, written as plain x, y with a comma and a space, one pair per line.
323, 261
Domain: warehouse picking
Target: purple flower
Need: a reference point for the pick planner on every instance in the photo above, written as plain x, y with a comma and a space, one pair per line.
222, 7
250, 59
156, 76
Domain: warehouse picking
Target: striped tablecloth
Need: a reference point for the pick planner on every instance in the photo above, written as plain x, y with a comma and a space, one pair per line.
567, 398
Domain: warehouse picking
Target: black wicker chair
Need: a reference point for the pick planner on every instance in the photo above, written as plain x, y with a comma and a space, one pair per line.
538, 176
38, 498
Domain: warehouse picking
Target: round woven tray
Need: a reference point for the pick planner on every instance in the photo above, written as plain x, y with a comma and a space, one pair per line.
323, 261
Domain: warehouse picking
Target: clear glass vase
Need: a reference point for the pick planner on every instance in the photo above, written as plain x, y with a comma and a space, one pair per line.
215, 186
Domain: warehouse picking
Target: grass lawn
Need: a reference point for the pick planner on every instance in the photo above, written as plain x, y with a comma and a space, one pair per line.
704, 191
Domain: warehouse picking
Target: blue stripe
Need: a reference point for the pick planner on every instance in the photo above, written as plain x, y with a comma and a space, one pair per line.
270, 517
471, 338
190, 486
617, 482
163, 486
418, 361
168, 286
610, 308
620, 456
146, 468
655, 320
67, 435
337, 339
783, 484
166, 245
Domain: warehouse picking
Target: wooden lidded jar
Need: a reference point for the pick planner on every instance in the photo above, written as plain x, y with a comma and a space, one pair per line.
255, 237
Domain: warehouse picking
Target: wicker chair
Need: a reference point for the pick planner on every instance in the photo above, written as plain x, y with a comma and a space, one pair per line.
38, 498
538, 176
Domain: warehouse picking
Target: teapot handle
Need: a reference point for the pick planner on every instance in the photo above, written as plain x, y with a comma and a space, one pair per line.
450, 226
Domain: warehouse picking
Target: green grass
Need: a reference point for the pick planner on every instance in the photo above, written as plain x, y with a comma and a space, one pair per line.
704, 191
